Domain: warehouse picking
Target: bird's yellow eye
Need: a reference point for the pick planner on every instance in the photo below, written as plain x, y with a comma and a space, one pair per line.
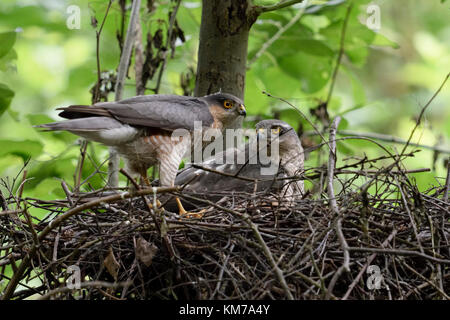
228, 104
276, 130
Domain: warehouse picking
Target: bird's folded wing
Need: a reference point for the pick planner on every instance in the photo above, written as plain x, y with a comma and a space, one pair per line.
167, 112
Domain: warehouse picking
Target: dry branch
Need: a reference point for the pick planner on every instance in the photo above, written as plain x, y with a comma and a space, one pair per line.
113, 165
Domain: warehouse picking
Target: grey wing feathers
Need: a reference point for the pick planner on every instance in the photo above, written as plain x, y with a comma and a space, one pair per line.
167, 112
203, 181
84, 124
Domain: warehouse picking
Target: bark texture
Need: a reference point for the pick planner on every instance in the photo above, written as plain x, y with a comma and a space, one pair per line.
222, 55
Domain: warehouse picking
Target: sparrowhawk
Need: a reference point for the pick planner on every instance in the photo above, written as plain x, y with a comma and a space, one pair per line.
290, 158
140, 128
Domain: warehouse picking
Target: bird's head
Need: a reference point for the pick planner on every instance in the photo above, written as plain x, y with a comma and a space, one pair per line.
225, 107
269, 130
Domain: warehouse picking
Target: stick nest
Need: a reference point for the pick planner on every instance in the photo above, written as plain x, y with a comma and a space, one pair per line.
246, 246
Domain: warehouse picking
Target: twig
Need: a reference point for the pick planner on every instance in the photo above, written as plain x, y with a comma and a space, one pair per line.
113, 166
428, 281
30, 225
79, 170
331, 196
333, 281
271, 259
3, 202
341, 52
276, 36
369, 261
169, 38
400, 253
67, 192
285, 3
22, 184
422, 113
127, 49
302, 114
279, 5
447, 182
83, 285
96, 97
386, 138
139, 59
411, 218
56, 222
266, 250
6, 212
332, 165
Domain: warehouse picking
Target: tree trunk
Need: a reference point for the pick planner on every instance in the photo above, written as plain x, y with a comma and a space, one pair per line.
222, 54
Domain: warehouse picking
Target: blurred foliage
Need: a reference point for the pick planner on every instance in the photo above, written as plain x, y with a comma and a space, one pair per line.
386, 76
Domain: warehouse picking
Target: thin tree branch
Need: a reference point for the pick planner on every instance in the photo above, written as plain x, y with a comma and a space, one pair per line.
90, 284
283, 4
246, 218
333, 203
302, 114
139, 59
400, 253
74, 211
169, 36
127, 49
113, 166
369, 261
97, 36
422, 112
447, 182
279, 5
384, 137
276, 36
341, 53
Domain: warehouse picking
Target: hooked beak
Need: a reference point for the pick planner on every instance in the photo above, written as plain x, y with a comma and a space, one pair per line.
241, 110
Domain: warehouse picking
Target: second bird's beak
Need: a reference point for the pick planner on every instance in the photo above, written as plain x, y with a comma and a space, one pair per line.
241, 110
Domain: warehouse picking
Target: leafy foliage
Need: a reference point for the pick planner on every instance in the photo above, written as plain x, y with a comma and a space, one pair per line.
7, 54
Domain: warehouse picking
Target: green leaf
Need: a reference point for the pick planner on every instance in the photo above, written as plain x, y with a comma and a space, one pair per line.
312, 71
6, 61
7, 40
24, 149
343, 124
382, 41
357, 54
6, 96
315, 22
315, 47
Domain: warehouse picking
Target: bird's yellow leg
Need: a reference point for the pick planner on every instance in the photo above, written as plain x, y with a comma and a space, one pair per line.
144, 178
186, 214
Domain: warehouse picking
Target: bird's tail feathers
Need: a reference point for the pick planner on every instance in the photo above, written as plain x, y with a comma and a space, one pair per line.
90, 124
82, 111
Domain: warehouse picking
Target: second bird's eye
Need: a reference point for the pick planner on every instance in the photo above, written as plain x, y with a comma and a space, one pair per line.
228, 104
276, 130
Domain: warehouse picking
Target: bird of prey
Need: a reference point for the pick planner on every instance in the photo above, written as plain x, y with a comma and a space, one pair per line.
140, 128
206, 178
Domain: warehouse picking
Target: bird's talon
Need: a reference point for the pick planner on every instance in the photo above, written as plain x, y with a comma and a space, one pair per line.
193, 215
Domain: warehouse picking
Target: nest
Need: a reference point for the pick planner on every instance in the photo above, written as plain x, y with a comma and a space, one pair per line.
393, 244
